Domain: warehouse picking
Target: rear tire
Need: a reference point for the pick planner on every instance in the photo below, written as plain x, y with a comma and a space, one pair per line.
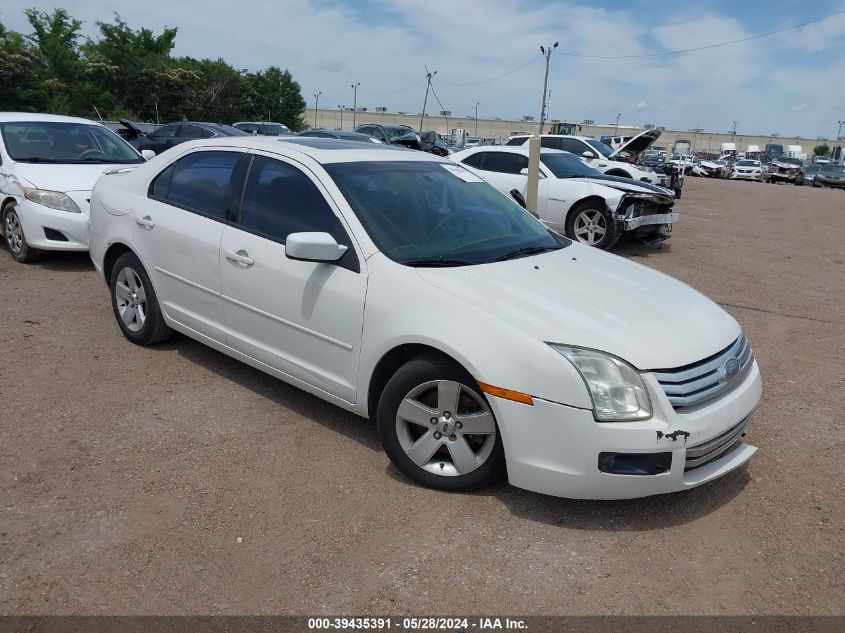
443, 454
135, 303
15, 239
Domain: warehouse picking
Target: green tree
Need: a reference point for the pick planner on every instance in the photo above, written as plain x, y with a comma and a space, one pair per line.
21, 74
132, 65
821, 150
56, 37
275, 94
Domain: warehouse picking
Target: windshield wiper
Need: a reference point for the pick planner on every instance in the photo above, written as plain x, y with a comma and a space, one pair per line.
38, 159
526, 250
435, 262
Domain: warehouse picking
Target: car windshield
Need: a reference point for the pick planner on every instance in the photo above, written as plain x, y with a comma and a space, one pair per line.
748, 163
835, 169
566, 165
423, 213
603, 149
791, 161
60, 142
275, 129
398, 132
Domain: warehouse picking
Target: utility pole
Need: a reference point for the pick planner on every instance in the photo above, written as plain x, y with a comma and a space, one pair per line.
354, 102
340, 107
428, 76
476, 118
733, 133
316, 104
616, 130
547, 53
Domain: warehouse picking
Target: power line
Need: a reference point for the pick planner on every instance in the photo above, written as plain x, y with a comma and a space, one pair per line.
486, 81
708, 46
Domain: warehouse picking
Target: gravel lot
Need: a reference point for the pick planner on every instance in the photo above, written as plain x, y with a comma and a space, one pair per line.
128, 475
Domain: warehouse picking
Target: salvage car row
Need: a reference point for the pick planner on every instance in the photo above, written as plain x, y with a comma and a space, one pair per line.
413, 290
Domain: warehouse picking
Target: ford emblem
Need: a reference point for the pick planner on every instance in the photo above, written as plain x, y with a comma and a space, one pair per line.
730, 369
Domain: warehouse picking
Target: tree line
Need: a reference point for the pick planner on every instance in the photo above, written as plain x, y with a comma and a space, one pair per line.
129, 73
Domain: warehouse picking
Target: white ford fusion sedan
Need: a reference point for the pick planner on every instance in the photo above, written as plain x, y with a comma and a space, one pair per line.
402, 287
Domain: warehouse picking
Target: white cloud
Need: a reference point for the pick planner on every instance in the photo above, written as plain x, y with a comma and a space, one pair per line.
386, 44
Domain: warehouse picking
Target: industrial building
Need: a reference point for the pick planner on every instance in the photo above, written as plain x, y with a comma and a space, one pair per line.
498, 130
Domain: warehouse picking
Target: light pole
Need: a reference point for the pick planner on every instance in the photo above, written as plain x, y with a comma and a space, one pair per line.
733, 134
547, 53
316, 104
354, 102
616, 130
340, 108
838, 134
428, 76
476, 118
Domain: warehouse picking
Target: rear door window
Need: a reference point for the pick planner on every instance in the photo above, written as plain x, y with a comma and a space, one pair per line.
202, 182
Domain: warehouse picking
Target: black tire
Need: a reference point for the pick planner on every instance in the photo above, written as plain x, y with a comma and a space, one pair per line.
412, 375
151, 329
612, 228
678, 193
19, 248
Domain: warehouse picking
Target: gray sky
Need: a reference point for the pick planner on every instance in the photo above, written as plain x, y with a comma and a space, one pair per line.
790, 83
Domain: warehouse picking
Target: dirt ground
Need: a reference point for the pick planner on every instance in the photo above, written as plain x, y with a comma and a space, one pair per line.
127, 475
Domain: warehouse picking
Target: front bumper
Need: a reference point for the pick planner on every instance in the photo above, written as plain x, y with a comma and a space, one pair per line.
554, 449
830, 183
656, 218
774, 176
739, 175
52, 230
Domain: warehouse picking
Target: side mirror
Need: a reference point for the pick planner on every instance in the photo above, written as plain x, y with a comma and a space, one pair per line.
313, 247
148, 154
588, 154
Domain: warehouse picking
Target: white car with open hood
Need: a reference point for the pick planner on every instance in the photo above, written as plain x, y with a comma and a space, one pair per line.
575, 199
604, 158
402, 287
48, 165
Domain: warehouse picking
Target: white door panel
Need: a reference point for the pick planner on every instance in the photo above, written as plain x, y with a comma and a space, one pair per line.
182, 249
301, 318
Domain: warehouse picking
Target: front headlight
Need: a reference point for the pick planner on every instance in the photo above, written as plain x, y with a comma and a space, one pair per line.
52, 199
617, 390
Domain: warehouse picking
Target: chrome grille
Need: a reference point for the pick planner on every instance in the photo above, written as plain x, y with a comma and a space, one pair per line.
706, 452
701, 381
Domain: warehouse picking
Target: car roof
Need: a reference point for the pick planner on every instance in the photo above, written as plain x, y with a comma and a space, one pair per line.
511, 149
9, 117
256, 123
322, 150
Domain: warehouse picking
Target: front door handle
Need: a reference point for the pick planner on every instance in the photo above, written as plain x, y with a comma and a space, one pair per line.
241, 257
146, 222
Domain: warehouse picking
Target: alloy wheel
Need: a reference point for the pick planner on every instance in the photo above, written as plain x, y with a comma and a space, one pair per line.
14, 232
590, 227
131, 299
446, 428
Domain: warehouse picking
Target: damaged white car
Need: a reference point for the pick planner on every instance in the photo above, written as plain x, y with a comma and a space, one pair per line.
604, 158
576, 200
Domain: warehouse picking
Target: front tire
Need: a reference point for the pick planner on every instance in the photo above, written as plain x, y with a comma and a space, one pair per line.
135, 303
593, 224
15, 239
437, 428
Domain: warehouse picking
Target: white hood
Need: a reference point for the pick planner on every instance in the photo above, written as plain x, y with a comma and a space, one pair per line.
62, 178
582, 296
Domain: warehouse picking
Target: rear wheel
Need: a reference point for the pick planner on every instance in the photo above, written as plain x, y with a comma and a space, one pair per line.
15, 238
135, 303
592, 223
437, 427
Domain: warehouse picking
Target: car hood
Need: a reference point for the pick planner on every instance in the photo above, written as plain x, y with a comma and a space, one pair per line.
830, 175
132, 126
582, 296
65, 177
626, 184
780, 163
639, 143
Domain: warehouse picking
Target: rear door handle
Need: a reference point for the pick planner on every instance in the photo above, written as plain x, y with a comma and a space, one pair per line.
241, 257
146, 222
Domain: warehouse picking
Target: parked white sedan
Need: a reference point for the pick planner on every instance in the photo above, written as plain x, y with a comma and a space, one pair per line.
402, 287
747, 169
574, 198
48, 165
